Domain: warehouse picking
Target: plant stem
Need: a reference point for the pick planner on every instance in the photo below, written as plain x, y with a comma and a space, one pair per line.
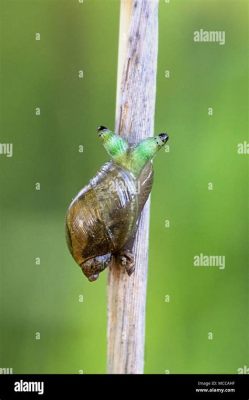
135, 109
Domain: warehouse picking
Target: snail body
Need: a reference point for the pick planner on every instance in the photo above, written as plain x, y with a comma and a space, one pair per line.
102, 219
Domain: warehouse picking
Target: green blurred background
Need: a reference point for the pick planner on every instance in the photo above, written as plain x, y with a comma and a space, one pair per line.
203, 149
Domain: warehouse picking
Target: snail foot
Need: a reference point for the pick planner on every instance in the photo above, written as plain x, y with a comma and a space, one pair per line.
92, 267
93, 277
126, 260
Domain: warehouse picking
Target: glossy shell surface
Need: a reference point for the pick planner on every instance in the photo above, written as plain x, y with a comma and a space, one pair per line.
103, 215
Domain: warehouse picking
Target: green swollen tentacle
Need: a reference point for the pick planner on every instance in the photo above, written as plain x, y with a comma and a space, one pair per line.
144, 152
114, 144
132, 158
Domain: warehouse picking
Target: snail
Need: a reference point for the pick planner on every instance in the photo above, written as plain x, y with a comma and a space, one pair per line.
102, 220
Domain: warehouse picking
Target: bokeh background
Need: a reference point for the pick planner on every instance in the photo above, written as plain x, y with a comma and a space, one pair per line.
45, 298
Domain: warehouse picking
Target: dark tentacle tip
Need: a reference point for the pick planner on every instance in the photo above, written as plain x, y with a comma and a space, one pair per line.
101, 128
164, 137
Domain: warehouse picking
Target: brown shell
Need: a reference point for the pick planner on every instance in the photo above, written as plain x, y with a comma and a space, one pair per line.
103, 216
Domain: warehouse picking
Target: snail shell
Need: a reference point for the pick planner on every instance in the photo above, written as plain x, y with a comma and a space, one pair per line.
102, 218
